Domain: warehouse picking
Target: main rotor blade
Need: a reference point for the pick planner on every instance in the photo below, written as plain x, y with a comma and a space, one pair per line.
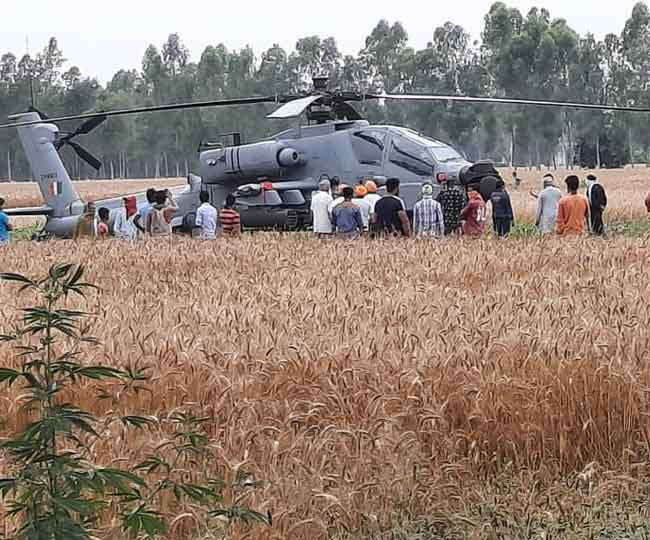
508, 101
89, 125
293, 108
86, 155
157, 108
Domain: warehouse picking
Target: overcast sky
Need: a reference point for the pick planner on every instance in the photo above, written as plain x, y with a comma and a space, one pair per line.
104, 36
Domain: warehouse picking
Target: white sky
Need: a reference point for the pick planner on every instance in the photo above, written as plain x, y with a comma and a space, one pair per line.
103, 36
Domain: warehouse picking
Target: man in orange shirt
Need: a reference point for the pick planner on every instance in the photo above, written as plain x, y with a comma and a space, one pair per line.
573, 211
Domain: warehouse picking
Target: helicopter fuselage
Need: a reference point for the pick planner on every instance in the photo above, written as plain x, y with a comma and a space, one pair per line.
294, 160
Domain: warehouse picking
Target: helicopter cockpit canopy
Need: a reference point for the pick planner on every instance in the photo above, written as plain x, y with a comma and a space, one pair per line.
441, 152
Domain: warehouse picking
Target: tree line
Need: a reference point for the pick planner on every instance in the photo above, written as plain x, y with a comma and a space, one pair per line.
528, 56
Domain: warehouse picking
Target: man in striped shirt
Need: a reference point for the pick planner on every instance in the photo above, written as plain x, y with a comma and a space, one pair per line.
229, 217
427, 215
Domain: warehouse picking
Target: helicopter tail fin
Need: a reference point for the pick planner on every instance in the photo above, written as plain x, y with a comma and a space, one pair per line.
59, 195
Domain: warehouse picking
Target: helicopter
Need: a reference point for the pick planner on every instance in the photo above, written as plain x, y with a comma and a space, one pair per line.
272, 179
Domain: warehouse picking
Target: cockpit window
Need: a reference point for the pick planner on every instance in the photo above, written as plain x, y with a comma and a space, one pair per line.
440, 151
412, 156
368, 146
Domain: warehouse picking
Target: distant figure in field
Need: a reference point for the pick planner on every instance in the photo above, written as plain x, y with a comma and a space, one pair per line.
427, 215
516, 181
5, 226
206, 218
346, 217
159, 217
452, 201
597, 203
547, 205
85, 227
573, 210
103, 229
229, 218
320, 204
140, 219
390, 213
502, 215
474, 215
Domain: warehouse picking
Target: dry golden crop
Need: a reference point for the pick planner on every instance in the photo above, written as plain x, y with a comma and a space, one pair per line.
384, 389
402, 389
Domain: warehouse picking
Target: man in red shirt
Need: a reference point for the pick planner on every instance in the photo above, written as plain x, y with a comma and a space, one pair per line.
229, 217
474, 215
573, 211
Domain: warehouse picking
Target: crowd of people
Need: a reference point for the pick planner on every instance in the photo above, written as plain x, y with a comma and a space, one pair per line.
342, 210
346, 211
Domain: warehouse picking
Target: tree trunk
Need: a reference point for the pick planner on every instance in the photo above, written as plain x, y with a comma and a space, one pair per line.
629, 142
112, 171
187, 168
598, 151
157, 173
512, 146
9, 165
178, 170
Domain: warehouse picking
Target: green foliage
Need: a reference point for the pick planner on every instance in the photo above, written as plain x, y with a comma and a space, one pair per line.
56, 491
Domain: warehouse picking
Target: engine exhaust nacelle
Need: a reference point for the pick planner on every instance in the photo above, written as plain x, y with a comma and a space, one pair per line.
269, 158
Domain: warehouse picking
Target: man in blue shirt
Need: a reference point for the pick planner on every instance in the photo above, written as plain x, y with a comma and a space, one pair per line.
5, 226
346, 217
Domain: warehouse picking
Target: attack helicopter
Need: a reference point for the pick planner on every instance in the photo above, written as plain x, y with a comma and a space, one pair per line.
272, 179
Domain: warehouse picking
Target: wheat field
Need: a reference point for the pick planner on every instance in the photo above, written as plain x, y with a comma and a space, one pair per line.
408, 390
383, 389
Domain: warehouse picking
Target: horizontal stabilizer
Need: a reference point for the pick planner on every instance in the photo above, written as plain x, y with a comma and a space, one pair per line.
34, 211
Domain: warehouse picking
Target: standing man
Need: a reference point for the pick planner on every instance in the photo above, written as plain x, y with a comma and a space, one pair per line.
360, 193
85, 227
474, 215
547, 205
159, 217
206, 218
452, 202
140, 219
346, 216
372, 199
229, 217
320, 204
390, 212
123, 226
573, 210
5, 226
427, 215
502, 215
597, 203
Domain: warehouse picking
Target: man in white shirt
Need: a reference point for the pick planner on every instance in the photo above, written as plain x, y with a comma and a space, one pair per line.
372, 197
320, 209
360, 192
123, 226
206, 218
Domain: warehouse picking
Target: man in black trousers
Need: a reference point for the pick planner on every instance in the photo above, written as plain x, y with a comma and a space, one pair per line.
597, 204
